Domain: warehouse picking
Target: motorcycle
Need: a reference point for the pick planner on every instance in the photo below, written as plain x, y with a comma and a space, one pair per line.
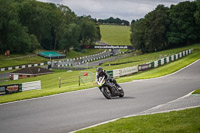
109, 89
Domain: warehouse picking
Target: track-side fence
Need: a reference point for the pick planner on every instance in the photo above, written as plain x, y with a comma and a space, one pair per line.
143, 67
84, 78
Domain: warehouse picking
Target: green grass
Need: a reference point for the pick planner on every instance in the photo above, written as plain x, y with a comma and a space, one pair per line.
196, 91
85, 52
115, 35
186, 121
50, 82
6, 62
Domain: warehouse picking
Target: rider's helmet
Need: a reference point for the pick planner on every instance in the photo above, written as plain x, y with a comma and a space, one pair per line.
99, 70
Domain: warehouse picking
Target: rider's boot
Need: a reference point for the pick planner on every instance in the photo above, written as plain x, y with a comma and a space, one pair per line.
118, 87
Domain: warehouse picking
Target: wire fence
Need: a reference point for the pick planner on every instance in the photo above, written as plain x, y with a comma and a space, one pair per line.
84, 78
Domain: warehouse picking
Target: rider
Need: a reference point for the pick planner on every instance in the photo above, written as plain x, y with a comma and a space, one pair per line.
100, 73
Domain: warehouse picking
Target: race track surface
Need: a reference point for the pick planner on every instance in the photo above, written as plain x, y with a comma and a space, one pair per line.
71, 111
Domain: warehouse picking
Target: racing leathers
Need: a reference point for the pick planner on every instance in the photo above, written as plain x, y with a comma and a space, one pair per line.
107, 77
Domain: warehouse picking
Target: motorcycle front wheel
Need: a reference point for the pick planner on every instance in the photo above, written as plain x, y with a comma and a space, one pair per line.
106, 92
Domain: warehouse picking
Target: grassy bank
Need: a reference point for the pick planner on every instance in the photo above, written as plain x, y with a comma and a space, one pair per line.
186, 121
115, 35
50, 82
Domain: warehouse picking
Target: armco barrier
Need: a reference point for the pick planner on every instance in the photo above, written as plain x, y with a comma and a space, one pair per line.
144, 67
171, 58
129, 70
126, 71
22, 66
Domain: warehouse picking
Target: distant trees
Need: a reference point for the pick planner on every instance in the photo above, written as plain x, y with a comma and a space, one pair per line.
167, 27
112, 20
13, 35
183, 29
26, 25
197, 14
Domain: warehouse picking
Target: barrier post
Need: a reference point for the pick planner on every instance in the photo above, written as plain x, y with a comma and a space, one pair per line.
152, 64
110, 73
59, 82
79, 80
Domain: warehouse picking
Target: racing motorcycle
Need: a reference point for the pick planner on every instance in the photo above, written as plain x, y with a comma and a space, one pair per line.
109, 89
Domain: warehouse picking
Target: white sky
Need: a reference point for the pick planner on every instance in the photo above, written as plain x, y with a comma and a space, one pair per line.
123, 9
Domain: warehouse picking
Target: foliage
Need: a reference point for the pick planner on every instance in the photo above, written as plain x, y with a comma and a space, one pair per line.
197, 14
183, 30
26, 25
13, 36
89, 32
137, 36
167, 27
112, 20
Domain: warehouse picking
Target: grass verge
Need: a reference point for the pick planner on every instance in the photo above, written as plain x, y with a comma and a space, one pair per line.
186, 121
197, 91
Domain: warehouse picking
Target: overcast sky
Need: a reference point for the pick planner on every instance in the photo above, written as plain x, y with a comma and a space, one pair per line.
123, 9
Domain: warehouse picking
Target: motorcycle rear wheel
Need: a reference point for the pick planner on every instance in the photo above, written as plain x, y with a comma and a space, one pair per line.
106, 92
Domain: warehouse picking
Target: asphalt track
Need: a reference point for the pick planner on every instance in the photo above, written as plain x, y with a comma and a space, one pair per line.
71, 111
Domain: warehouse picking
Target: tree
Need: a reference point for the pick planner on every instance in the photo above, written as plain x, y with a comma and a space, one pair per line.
38, 18
112, 20
70, 37
27, 24
137, 36
167, 27
183, 30
149, 34
89, 32
13, 36
197, 14
197, 18
157, 23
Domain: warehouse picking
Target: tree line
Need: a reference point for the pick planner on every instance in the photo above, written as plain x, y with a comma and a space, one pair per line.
26, 25
165, 27
116, 21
